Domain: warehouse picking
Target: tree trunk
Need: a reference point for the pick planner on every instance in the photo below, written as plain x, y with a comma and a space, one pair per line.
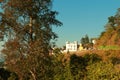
33, 75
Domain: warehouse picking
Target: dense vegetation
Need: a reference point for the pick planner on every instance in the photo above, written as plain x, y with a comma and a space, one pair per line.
111, 35
90, 66
86, 42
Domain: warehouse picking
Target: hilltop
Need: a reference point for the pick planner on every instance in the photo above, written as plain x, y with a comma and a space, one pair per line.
111, 35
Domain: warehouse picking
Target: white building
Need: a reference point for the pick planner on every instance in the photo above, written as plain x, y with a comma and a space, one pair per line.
71, 46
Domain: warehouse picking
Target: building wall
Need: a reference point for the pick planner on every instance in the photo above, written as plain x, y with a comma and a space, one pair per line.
71, 46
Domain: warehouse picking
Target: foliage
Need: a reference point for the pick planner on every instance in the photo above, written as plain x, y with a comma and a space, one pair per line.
91, 58
86, 43
87, 67
4, 74
85, 39
110, 47
27, 24
101, 70
111, 34
13, 76
77, 66
114, 60
57, 51
73, 67
61, 67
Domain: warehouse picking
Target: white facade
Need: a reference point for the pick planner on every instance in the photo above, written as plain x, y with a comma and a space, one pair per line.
71, 46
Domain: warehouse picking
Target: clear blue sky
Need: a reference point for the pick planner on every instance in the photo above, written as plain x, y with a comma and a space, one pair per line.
81, 17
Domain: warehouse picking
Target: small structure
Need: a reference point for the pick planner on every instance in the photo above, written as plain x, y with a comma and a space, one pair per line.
94, 41
71, 46
81, 47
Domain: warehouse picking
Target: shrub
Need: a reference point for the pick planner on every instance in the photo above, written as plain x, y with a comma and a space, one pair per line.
91, 58
78, 67
102, 71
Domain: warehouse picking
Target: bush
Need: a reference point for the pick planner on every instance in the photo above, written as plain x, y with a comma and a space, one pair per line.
102, 71
115, 60
91, 58
78, 67
73, 67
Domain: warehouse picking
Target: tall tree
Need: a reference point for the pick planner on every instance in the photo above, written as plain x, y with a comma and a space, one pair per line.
85, 39
28, 27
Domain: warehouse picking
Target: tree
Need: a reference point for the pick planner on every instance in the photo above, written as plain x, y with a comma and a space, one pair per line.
114, 21
85, 41
111, 35
28, 27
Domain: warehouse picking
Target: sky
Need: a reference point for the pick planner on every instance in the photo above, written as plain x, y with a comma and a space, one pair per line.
81, 17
